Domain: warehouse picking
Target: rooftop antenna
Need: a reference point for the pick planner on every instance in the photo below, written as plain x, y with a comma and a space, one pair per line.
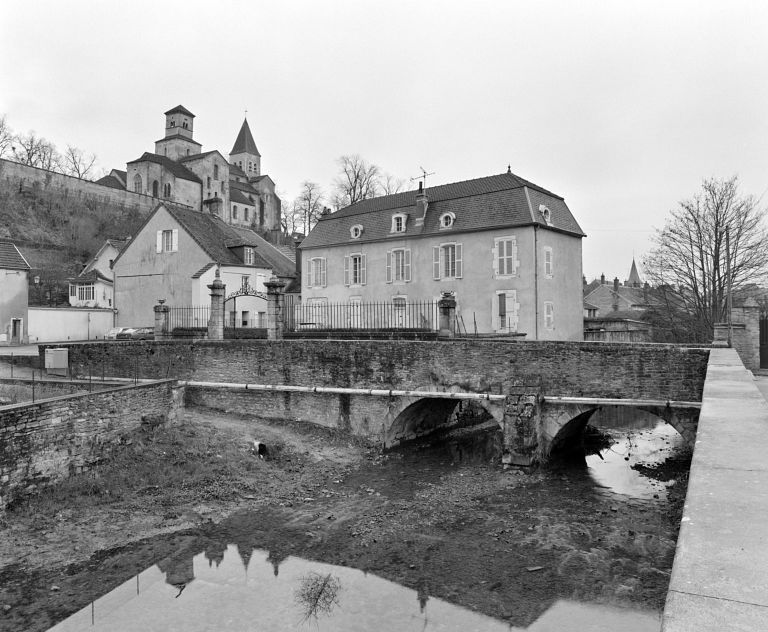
423, 176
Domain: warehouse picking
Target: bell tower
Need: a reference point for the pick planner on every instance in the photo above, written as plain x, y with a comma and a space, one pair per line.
178, 141
244, 153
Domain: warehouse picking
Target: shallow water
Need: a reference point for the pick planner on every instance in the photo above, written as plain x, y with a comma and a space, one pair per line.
235, 592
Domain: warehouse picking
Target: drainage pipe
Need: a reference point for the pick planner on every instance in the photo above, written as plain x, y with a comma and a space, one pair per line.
284, 388
607, 401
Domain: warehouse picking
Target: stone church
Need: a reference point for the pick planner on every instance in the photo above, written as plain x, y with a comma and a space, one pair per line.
178, 171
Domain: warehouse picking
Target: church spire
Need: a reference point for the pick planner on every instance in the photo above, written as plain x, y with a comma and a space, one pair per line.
634, 277
245, 143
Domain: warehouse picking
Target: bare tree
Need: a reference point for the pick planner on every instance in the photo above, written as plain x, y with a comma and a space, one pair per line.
357, 180
77, 163
6, 137
308, 206
689, 263
36, 151
389, 184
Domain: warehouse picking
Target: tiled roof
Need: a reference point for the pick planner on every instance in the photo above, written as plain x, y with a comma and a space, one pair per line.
199, 156
177, 169
234, 170
91, 276
110, 181
288, 251
504, 200
119, 173
203, 270
244, 142
245, 187
178, 134
11, 258
238, 197
181, 109
280, 264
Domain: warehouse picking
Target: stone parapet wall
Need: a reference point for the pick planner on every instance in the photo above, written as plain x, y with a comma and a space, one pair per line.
643, 371
54, 438
17, 176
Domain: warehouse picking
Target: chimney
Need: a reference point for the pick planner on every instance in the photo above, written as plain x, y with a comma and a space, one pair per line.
296, 243
645, 292
615, 284
602, 279
422, 202
616, 294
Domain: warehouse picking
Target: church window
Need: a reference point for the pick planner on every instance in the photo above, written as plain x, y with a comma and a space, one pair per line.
234, 212
155, 188
209, 181
173, 123
187, 152
215, 172
137, 183
185, 125
245, 213
167, 191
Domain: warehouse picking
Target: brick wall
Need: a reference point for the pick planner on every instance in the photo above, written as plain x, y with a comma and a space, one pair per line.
649, 371
53, 438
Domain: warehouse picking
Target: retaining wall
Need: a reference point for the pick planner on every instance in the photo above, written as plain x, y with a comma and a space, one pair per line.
54, 438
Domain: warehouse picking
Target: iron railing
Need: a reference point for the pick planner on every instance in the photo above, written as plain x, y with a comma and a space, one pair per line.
319, 315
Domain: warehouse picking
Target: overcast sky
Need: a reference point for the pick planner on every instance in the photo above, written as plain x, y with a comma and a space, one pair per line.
622, 108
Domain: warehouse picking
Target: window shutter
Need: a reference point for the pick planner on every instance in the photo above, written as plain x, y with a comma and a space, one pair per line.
512, 307
159, 241
346, 269
436, 262
407, 265
362, 269
458, 261
389, 266
175, 245
323, 273
502, 310
496, 253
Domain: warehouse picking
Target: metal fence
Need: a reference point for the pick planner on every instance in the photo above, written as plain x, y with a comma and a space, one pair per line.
397, 315
189, 317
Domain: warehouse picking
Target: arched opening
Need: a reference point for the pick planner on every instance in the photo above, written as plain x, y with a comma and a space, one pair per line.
137, 188
466, 429
155, 188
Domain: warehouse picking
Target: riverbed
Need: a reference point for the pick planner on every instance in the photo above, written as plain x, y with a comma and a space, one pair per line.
427, 537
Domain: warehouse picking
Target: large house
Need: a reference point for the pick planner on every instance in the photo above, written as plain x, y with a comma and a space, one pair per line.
14, 297
174, 257
509, 250
93, 287
180, 172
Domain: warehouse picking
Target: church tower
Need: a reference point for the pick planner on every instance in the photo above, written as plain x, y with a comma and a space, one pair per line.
244, 153
634, 277
178, 142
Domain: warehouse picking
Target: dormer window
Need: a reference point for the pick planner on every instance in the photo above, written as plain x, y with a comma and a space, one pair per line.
447, 220
545, 214
248, 256
356, 231
398, 222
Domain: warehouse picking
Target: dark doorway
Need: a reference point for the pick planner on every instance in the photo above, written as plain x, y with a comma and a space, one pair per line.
764, 340
16, 331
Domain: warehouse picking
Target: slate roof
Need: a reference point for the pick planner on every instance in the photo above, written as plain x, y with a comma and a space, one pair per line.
234, 170
180, 108
203, 270
11, 258
246, 187
178, 134
497, 201
121, 174
244, 142
110, 181
177, 169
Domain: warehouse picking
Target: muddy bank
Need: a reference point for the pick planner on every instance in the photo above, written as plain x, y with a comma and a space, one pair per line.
467, 533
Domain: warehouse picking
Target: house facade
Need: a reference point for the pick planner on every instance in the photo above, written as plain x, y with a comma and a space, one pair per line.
93, 287
180, 172
174, 257
14, 297
509, 250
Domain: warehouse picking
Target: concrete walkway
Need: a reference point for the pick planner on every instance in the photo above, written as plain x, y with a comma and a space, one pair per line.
720, 575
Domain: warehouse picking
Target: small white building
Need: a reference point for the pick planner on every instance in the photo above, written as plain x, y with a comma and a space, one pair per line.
93, 287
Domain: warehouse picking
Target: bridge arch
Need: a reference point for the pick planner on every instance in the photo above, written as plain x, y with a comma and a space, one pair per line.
563, 424
409, 418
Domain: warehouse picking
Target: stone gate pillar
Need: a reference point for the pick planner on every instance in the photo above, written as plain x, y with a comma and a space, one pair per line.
521, 425
447, 306
275, 308
162, 313
216, 320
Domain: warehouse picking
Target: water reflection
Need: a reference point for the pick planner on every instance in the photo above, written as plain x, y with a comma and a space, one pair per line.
241, 592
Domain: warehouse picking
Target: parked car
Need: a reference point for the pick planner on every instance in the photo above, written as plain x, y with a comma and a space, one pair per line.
137, 333
112, 333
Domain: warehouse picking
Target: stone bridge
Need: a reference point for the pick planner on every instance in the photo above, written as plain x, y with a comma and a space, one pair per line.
540, 393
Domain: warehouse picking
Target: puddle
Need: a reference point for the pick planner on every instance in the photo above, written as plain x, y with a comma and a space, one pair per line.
228, 589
